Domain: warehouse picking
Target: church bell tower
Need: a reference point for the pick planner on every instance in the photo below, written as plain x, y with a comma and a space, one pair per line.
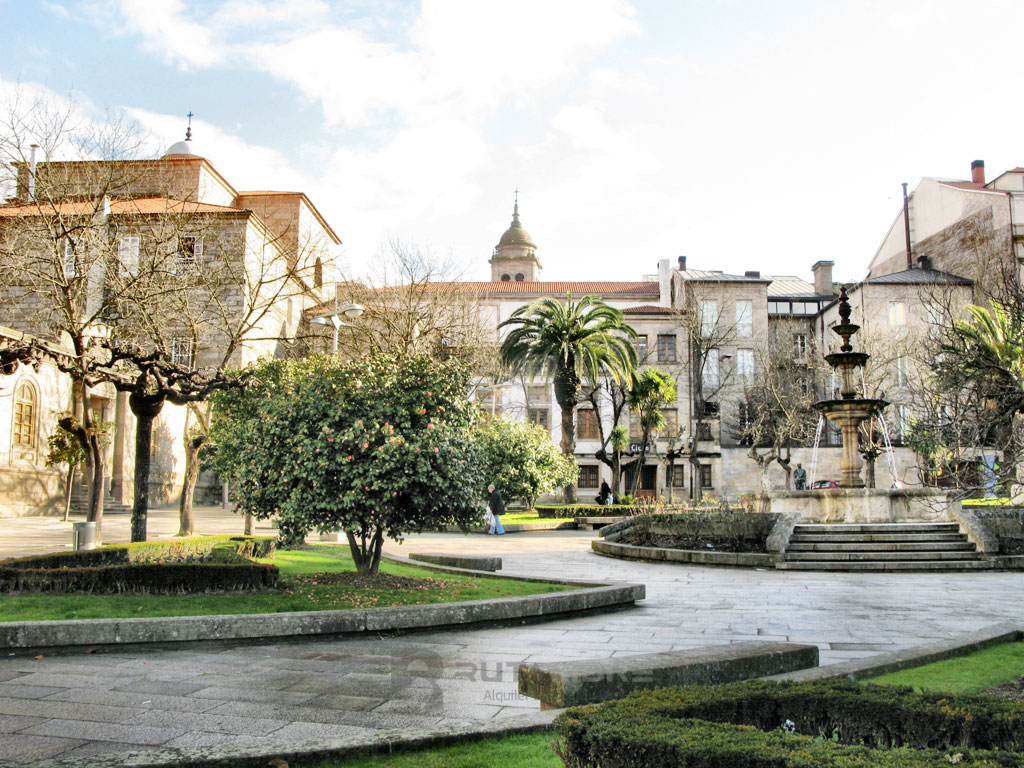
515, 255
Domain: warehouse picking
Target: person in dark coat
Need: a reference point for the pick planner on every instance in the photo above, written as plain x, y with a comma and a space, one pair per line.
605, 496
497, 507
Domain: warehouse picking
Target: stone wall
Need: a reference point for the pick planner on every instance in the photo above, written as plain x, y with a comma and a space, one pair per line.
1007, 523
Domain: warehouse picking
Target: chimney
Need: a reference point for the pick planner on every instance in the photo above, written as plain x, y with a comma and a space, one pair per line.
32, 172
682, 263
823, 277
752, 273
978, 171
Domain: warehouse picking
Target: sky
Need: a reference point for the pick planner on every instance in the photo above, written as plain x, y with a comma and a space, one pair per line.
744, 134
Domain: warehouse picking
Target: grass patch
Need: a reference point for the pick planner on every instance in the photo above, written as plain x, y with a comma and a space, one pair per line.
531, 750
966, 674
527, 517
312, 581
997, 502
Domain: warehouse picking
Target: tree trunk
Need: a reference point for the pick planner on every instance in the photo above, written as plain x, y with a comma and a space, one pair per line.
250, 524
146, 408
617, 473
94, 447
68, 484
568, 445
366, 556
186, 521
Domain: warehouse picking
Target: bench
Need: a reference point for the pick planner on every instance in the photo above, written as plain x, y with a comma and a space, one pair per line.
472, 562
593, 523
572, 683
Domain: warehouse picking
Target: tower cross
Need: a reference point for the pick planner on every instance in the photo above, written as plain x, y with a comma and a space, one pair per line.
188, 132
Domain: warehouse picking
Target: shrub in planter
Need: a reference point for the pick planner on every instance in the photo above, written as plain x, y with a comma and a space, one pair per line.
833, 723
726, 530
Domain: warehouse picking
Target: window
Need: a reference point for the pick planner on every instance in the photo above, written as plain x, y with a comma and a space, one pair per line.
676, 476
318, 274
902, 424
183, 353
704, 431
666, 348
708, 317
538, 393
671, 429
586, 424
706, 480
128, 255
520, 277
26, 407
539, 416
710, 374
506, 278
897, 315
744, 319
745, 422
745, 365
901, 370
800, 346
710, 409
641, 347
190, 253
70, 263
636, 431
589, 476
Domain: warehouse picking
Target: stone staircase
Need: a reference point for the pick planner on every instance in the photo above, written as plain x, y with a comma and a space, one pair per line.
80, 502
881, 547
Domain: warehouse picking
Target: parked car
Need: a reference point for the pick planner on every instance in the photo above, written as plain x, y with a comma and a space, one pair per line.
820, 485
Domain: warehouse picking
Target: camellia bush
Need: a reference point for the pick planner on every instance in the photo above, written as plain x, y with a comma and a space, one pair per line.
377, 447
521, 460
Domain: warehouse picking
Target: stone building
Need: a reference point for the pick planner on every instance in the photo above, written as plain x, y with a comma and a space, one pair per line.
174, 219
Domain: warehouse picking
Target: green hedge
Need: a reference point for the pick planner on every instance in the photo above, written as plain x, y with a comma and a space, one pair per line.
729, 530
584, 510
836, 723
201, 564
143, 578
171, 550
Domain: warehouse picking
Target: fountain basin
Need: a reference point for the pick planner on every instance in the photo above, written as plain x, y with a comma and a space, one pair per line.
863, 505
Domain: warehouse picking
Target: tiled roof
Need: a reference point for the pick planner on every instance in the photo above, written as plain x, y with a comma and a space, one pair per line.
919, 277
635, 288
647, 309
969, 185
259, 192
140, 205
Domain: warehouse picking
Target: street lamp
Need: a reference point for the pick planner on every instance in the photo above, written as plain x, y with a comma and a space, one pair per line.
350, 311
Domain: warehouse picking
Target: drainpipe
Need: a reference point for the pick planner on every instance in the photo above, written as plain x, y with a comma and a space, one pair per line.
906, 225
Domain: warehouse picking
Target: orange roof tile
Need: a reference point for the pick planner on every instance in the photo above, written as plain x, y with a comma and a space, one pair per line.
634, 288
648, 309
140, 205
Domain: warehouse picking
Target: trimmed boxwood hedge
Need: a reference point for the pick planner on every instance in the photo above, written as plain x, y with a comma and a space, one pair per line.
202, 564
584, 510
835, 723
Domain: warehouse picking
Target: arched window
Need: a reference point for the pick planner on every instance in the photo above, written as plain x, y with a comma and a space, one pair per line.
506, 278
26, 411
520, 277
318, 274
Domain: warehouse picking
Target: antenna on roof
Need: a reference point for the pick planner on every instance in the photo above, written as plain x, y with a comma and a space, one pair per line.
188, 131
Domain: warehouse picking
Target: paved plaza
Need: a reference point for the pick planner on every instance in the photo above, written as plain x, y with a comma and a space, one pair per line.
87, 703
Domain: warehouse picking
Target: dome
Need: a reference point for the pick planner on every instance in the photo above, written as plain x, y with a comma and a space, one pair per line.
515, 234
181, 148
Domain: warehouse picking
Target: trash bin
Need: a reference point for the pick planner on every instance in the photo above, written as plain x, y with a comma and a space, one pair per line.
83, 535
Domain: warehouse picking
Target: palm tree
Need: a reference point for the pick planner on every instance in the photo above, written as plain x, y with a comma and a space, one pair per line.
568, 342
652, 391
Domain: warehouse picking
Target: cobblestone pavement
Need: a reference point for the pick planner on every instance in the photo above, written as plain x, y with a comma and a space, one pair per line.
82, 704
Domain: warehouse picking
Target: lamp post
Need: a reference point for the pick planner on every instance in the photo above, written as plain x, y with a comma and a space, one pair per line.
351, 311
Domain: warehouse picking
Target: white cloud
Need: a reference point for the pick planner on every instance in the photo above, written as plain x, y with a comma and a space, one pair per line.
163, 28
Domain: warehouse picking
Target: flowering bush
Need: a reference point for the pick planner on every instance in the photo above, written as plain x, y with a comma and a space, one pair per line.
378, 447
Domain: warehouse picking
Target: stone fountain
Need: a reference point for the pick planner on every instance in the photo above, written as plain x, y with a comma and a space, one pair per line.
852, 502
849, 411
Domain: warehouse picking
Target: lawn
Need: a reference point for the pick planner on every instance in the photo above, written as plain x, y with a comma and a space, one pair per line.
532, 750
532, 517
320, 578
995, 502
965, 674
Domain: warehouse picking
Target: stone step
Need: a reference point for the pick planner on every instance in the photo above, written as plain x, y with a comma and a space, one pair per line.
879, 556
899, 565
867, 538
900, 546
817, 528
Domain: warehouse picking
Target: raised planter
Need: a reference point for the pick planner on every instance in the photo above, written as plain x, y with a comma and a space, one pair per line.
700, 557
471, 562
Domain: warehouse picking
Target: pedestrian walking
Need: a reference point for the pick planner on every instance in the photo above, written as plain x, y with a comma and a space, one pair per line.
496, 506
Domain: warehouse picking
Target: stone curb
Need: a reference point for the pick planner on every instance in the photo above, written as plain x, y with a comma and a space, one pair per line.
474, 562
306, 751
696, 556
595, 596
884, 663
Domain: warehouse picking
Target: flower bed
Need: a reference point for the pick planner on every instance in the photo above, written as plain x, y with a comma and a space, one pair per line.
725, 530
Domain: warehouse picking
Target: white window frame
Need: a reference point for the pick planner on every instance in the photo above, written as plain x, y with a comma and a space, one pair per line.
800, 343
184, 264
128, 255
745, 365
901, 370
898, 315
70, 262
710, 377
708, 317
744, 318
183, 353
